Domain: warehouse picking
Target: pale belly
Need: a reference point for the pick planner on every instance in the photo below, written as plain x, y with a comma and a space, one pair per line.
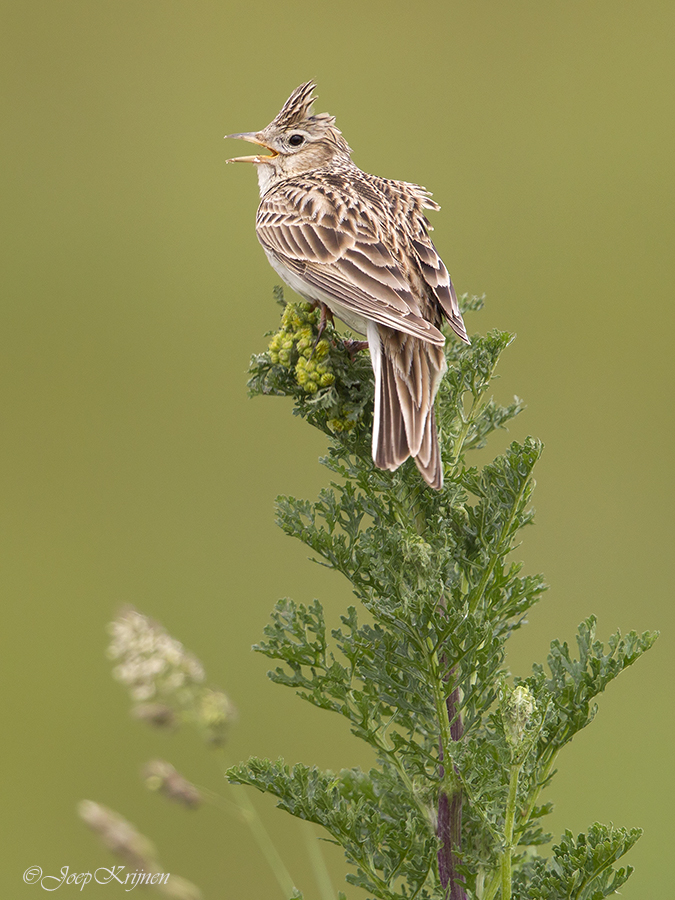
315, 295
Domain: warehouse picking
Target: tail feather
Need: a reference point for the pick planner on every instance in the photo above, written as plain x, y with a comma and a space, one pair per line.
428, 460
392, 446
407, 374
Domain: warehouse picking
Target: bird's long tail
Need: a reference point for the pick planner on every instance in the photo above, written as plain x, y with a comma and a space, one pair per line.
408, 372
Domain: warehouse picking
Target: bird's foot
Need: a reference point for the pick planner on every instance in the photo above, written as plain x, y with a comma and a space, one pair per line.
326, 316
353, 347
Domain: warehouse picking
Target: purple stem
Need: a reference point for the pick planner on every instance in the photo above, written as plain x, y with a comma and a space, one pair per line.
450, 817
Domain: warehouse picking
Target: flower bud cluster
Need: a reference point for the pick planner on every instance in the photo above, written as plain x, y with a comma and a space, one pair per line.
339, 425
164, 680
295, 346
152, 663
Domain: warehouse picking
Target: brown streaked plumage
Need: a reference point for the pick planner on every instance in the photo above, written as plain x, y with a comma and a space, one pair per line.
359, 245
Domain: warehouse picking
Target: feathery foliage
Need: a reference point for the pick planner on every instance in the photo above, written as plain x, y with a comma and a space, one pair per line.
452, 808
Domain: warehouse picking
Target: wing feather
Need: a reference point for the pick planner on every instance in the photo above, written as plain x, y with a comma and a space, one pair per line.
373, 267
348, 262
438, 278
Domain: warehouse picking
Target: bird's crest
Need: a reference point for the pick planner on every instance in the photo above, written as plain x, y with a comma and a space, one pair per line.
297, 109
297, 113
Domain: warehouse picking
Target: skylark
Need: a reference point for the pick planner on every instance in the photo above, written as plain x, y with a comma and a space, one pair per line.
359, 246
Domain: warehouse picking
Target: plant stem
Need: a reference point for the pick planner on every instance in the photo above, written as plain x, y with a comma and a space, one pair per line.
396, 762
438, 688
468, 419
318, 864
264, 841
450, 813
527, 812
493, 886
509, 819
480, 883
503, 535
516, 833
250, 815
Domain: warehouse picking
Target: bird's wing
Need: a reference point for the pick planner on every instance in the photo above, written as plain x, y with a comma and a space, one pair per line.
410, 202
438, 278
337, 248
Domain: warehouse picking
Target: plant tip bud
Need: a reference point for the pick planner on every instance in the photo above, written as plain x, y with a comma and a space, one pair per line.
517, 708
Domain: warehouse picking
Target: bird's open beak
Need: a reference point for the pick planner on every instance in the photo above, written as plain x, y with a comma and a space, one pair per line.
252, 137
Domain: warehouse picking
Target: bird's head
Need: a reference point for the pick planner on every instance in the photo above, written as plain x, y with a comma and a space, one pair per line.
297, 140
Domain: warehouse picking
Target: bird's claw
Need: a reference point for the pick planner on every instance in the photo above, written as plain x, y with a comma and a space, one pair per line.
353, 347
326, 316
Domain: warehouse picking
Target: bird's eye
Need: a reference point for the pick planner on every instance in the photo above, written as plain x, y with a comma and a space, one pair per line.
295, 140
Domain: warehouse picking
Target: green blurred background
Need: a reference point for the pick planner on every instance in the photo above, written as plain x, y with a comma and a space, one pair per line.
135, 469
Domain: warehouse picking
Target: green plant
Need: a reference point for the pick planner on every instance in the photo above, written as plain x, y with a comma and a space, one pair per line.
453, 807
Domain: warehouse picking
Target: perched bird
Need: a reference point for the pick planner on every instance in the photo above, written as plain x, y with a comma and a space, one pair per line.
359, 246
